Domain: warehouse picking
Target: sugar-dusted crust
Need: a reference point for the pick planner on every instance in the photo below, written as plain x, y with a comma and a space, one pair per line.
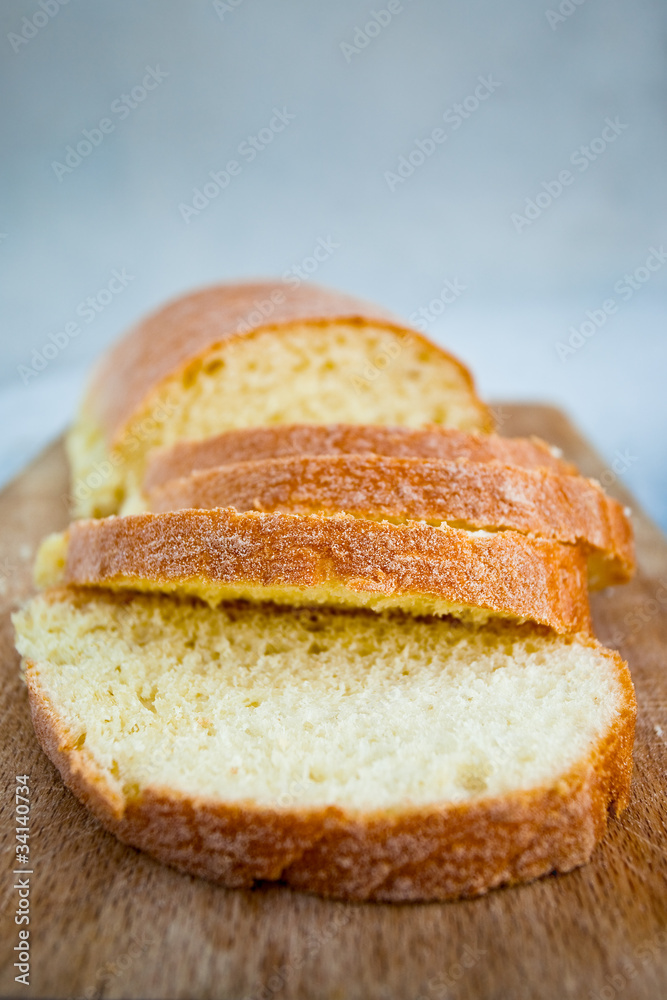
476, 495
221, 554
168, 341
255, 443
434, 852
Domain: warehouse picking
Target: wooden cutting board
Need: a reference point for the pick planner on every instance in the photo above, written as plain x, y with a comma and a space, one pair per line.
108, 921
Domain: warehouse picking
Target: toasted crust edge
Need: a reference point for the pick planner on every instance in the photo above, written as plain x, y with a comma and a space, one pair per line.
424, 854
475, 495
253, 443
372, 563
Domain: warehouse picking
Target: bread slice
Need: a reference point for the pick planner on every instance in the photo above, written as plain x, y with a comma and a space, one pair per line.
245, 355
255, 443
310, 559
471, 495
360, 756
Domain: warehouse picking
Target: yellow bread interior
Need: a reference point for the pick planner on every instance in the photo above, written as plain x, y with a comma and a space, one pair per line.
293, 708
308, 373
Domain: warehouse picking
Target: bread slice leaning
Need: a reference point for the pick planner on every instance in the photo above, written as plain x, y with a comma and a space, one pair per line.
472, 495
351, 754
311, 559
255, 443
243, 355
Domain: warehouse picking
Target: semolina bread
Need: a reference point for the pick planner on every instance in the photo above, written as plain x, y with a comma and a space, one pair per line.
470, 495
356, 755
214, 361
255, 443
310, 559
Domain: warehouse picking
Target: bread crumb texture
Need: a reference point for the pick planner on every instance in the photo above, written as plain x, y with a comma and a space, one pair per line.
302, 373
299, 708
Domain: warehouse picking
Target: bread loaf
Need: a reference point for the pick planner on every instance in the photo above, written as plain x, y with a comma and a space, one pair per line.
213, 361
255, 443
356, 755
310, 559
471, 495
352, 657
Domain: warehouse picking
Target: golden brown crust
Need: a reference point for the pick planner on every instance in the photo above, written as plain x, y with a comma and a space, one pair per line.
169, 340
475, 495
255, 443
504, 573
436, 852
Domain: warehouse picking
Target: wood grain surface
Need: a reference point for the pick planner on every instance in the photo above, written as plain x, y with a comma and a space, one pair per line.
108, 921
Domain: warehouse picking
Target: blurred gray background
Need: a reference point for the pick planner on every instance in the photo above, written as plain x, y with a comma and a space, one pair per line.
569, 86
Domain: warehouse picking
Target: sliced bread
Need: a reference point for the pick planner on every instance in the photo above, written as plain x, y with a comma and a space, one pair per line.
255, 443
470, 495
245, 355
355, 755
309, 559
